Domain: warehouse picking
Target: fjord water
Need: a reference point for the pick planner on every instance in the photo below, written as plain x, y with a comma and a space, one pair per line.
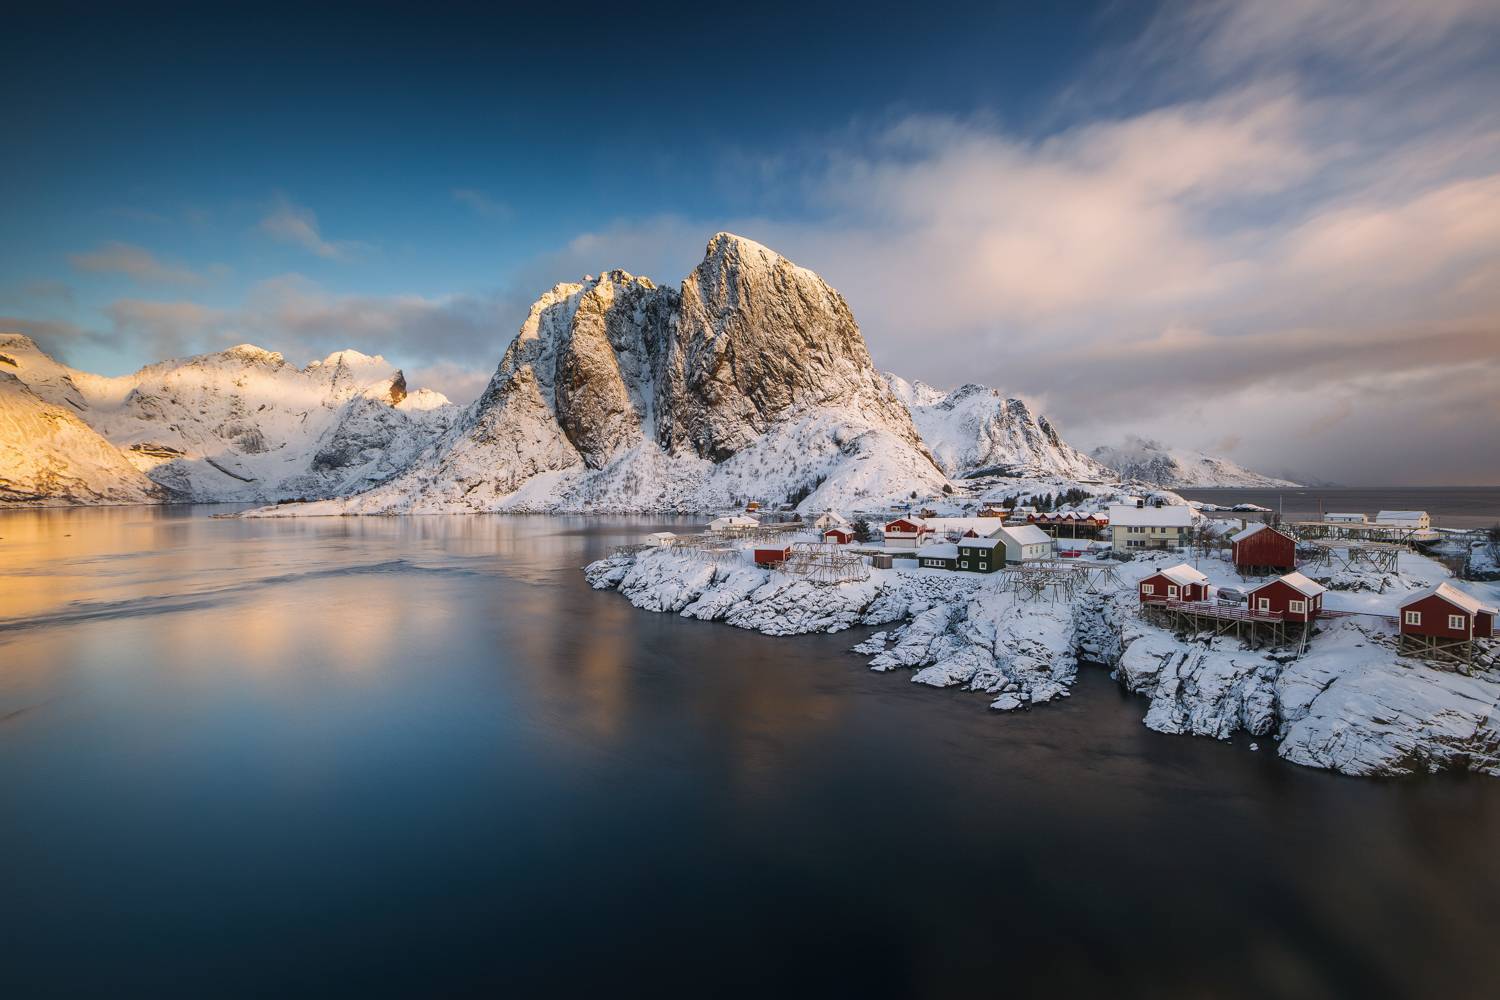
1450, 506
419, 756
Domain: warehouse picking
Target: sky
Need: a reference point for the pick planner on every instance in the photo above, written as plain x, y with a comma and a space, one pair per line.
1269, 230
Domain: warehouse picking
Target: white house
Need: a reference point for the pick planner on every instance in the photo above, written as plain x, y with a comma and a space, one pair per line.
732, 522
1025, 543
661, 538
1404, 518
1346, 518
1149, 526
829, 519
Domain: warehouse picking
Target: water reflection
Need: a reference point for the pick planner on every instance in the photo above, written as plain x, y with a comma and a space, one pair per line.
419, 755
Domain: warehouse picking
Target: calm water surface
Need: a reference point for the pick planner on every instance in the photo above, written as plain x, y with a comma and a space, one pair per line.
420, 756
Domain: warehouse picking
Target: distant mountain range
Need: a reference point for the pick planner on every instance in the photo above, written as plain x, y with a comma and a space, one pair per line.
748, 380
1143, 460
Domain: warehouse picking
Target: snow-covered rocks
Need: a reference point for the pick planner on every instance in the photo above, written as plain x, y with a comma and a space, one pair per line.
1348, 705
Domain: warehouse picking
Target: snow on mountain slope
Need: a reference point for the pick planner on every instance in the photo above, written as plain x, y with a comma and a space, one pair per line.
244, 424
1143, 460
48, 455
977, 429
750, 380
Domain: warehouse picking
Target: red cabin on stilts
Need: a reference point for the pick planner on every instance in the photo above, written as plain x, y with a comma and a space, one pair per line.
1294, 597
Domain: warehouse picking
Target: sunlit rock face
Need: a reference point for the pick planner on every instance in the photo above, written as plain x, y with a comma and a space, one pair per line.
751, 380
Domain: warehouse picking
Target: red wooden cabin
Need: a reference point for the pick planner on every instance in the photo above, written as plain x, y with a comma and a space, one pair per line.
1294, 597
1445, 612
1261, 548
768, 558
838, 536
1175, 583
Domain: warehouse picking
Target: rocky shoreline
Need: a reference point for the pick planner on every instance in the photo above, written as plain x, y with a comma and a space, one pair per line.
1349, 705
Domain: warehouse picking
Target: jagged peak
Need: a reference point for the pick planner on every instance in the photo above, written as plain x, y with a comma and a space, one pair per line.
249, 352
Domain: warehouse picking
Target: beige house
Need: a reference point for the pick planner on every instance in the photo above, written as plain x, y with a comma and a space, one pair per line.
1147, 527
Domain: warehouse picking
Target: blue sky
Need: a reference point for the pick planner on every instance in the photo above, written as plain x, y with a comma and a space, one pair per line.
1247, 221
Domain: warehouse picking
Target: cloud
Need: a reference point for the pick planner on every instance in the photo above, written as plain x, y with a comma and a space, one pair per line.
482, 204
291, 223
136, 262
168, 329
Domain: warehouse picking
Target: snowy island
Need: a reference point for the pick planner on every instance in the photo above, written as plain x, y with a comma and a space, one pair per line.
1344, 698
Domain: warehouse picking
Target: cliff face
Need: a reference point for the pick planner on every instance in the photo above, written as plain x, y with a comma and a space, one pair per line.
50, 456
751, 380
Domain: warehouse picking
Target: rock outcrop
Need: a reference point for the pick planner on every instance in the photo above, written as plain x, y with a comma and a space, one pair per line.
750, 380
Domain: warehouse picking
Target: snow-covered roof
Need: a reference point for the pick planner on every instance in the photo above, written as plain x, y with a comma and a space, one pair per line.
1027, 534
1250, 529
1453, 596
1331, 516
1183, 574
919, 522
981, 526
981, 543
736, 521
938, 552
1401, 515
1169, 516
661, 535
1298, 582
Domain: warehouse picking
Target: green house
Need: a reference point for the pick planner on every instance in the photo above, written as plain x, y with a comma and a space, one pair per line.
938, 557
981, 555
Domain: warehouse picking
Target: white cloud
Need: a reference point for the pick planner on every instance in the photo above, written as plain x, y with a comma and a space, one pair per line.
291, 223
136, 262
482, 204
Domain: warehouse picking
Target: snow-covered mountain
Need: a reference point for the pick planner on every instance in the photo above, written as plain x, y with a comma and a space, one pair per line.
750, 380
1143, 460
50, 456
975, 430
242, 424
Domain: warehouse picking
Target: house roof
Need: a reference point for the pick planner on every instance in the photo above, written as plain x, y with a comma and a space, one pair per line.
938, 552
919, 522
738, 520
1251, 529
662, 534
1170, 516
1298, 582
981, 543
1182, 574
1400, 515
981, 526
1453, 596
1027, 534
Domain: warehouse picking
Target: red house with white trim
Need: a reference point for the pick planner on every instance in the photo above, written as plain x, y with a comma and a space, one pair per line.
1445, 612
906, 532
838, 536
1175, 583
1261, 548
1294, 597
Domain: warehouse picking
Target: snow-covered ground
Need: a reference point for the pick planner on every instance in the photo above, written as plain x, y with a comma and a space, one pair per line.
1349, 704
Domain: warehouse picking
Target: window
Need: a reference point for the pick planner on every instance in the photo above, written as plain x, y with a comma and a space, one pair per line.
984, 565
1171, 591
1263, 603
1413, 618
1457, 622
1148, 588
964, 564
1297, 607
